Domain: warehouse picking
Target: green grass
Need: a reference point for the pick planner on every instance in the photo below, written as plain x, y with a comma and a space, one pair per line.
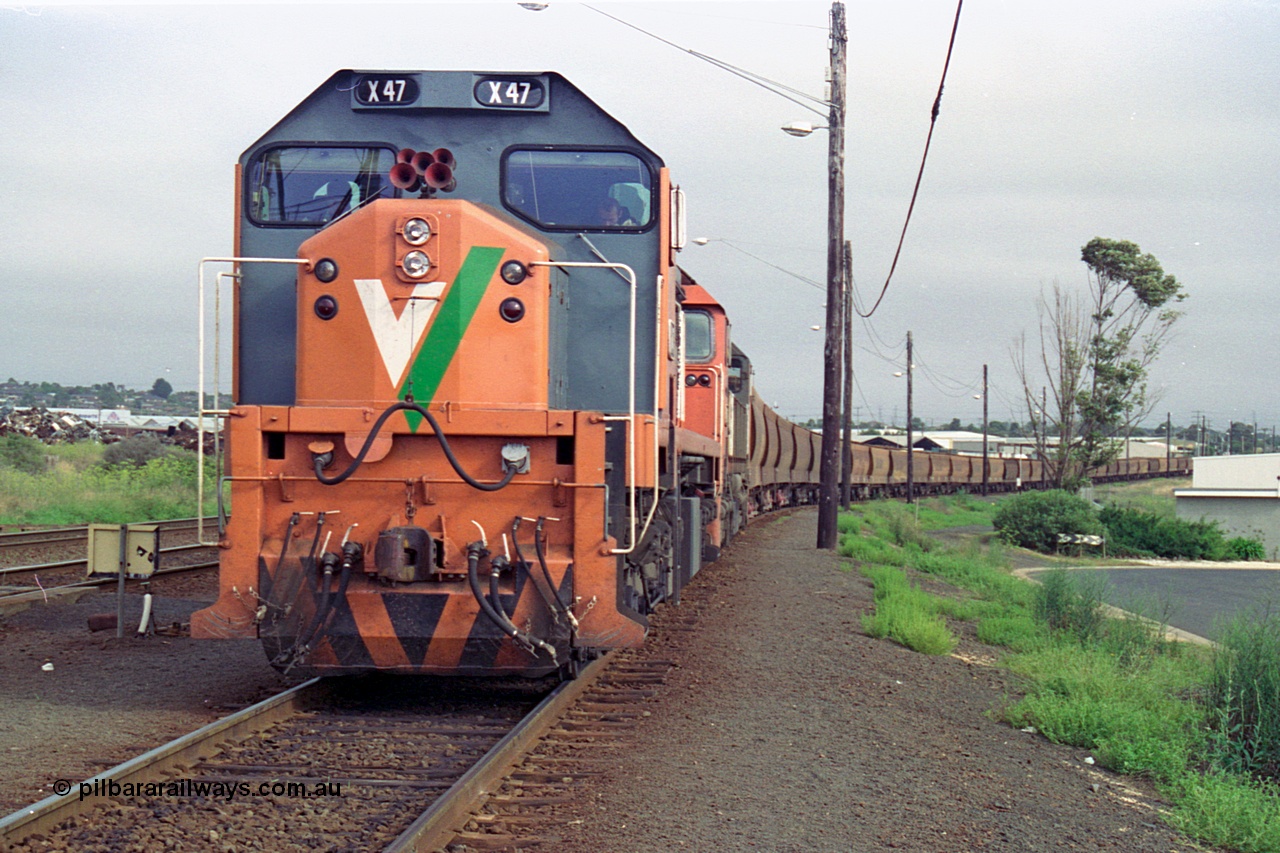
75, 487
906, 614
1154, 496
1129, 715
1229, 811
1205, 726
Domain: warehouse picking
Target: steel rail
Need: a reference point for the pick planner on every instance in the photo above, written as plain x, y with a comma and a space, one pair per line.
186, 750
50, 535
62, 564
430, 831
435, 827
42, 593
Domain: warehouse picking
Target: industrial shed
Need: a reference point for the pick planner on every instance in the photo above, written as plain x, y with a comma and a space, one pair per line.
1241, 493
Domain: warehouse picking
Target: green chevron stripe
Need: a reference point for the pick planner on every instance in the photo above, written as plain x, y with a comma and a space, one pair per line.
450, 324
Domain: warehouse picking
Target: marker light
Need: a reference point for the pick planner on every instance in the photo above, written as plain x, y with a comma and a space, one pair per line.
514, 272
326, 270
512, 310
705, 380
416, 264
416, 232
691, 380
326, 307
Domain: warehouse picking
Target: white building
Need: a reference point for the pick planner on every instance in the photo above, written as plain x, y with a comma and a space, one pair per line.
1241, 493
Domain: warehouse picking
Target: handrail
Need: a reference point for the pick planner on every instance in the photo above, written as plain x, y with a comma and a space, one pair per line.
629, 275
217, 362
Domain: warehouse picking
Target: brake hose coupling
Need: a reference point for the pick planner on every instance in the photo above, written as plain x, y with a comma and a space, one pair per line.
321, 454
515, 457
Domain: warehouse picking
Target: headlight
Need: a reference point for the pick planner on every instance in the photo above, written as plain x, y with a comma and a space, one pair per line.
416, 232
326, 270
514, 272
416, 264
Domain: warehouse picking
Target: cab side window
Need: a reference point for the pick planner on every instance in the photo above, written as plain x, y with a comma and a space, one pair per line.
578, 190
699, 337
312, 185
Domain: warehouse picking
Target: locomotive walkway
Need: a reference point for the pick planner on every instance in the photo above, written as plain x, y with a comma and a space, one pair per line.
786, 728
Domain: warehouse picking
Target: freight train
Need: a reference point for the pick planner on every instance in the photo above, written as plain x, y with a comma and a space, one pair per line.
483, 423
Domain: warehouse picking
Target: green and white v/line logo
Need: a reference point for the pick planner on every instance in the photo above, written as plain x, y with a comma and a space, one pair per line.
436, 310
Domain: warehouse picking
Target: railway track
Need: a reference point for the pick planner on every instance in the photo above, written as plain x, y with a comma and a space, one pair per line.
25, 537
62, 555
357, 763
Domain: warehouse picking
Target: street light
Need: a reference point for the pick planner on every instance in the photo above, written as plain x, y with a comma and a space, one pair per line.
802, 128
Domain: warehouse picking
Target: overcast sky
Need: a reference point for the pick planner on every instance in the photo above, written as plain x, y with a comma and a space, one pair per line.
1156, 122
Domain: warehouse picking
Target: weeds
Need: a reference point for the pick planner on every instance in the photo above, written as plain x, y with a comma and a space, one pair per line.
906, 614
1205, 727
1244, 696
74, 487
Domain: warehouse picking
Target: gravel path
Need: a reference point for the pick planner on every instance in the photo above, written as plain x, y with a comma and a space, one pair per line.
786, 728
106, 700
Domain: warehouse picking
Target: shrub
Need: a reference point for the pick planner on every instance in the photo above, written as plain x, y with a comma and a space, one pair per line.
1242, 548
1138, 533
1034, 519
134, 451
1244, 696
22, 454
1072, 603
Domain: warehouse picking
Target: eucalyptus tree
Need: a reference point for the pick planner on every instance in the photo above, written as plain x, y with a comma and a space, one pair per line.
1095, 353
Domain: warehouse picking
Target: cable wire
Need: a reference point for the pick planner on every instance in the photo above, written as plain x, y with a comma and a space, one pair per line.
933, 121
779, 89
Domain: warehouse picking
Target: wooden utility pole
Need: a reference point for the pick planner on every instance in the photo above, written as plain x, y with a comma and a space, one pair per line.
985, 462
829, 467
910, 439
846, 451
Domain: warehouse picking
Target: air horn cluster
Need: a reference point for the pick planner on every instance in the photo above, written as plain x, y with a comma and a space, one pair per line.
424, 170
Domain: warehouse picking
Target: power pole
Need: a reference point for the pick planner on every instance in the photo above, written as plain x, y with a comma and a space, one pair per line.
829, 470
1168, 441
910, 439
846, 452
985, 461
1044, 433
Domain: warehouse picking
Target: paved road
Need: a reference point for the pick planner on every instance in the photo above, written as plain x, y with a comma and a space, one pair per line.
1201, 598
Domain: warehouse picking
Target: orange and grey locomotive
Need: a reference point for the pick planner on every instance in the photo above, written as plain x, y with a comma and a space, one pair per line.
455, 446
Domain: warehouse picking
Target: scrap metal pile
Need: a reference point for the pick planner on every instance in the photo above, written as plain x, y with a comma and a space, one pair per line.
51, 428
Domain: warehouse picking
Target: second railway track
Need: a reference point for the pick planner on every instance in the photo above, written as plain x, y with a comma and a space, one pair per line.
35, 563
338, 764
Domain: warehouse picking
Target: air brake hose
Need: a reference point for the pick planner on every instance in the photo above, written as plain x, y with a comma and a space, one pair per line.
542, 561
496, 567
351, 554
550, 595
328, 561
475, 551
322, 459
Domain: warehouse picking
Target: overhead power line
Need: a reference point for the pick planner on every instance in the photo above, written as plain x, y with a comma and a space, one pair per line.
780, 89
933, 121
